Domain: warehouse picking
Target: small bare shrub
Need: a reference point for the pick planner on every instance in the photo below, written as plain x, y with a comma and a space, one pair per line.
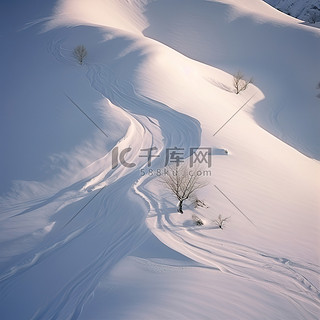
220, 222
199, 203
197, 220
240, 83
80, 52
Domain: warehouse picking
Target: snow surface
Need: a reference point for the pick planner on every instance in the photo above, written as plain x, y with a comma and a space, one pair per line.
82, 240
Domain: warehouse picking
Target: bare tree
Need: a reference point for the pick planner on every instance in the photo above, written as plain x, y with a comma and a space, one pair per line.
221, 221
80, 53
240, 83
183, 182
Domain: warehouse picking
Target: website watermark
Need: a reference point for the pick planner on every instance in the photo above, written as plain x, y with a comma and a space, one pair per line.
173, 156
162, 172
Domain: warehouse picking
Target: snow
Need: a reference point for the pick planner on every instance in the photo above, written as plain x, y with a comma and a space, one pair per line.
83, 237
307, 10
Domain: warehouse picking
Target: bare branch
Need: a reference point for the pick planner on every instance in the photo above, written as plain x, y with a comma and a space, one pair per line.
197, 202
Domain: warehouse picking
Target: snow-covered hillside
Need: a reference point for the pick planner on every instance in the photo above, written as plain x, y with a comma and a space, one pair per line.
87, 229
307, 10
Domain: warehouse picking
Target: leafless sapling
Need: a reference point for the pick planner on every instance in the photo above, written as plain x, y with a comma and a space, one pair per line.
80, 52
182, 181
240, 83
220, 222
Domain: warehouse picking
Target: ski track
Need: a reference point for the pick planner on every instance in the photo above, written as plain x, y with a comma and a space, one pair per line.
280, 274
177, 130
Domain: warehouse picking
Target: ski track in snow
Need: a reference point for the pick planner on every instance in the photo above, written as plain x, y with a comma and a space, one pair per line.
280, 274
176, 129
109, 238
283, 275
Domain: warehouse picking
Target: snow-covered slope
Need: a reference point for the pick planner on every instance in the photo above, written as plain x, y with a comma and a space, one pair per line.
307, 10
82, 238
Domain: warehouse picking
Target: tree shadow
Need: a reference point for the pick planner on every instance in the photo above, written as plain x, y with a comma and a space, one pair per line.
220, 85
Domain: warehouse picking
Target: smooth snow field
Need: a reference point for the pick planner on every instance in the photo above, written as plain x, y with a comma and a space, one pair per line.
88, 229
